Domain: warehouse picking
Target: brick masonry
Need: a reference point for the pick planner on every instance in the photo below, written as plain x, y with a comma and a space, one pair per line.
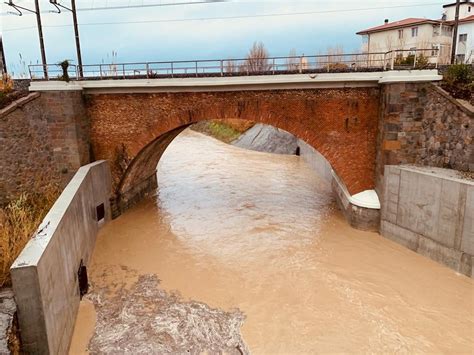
358, 130
421, 124
340, 123
44, 139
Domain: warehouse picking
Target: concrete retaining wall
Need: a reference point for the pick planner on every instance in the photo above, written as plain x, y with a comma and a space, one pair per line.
316, 160
431, 211
356, 215
45, 279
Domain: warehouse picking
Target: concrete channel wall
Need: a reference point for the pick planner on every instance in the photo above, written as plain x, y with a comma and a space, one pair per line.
45, 275
362, 211
431, 211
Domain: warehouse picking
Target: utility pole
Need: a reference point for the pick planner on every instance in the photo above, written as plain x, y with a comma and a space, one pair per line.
40, 29
2, 58
40, 32
455, 32
76, 29
76, 33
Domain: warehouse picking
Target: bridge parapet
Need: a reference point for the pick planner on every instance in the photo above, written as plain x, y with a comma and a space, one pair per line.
241, 83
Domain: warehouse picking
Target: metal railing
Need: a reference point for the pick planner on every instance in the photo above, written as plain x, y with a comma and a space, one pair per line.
326, 63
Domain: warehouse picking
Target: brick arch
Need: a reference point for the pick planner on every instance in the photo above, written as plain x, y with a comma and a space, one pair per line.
340, 123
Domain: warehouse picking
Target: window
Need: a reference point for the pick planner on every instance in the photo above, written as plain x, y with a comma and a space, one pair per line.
414, 31
400, 34
100, 212
447, 31
469, 9
412, 51
463, 37
434, 50
435, 31
460, 58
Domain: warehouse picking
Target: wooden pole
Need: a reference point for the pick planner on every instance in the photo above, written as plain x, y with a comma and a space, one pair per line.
2, 58
455, 32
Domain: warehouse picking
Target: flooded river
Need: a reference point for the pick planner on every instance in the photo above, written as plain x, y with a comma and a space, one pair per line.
243, 252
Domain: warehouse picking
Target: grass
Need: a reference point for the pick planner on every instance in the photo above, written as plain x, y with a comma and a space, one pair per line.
223, 130
18, 221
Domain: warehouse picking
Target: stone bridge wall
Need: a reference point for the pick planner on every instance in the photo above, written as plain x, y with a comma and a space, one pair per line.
421, 124
44, 138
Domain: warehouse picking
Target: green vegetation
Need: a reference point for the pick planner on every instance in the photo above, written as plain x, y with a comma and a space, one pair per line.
458, 80
409, 60
64, 66
18, 221
223, 130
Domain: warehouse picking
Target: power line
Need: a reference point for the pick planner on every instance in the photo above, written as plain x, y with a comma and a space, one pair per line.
233, 17
150, 5
125, 7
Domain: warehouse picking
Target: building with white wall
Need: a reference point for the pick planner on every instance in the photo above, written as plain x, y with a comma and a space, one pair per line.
412, 34
465, 37
466, 9
465, 41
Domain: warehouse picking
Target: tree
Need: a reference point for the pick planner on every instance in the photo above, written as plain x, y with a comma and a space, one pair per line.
230, 66
292, 63
257, 59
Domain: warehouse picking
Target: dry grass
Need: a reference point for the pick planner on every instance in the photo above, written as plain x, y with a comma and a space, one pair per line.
6, 84
18, 221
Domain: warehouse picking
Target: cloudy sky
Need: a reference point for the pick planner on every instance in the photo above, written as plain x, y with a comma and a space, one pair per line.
197, 31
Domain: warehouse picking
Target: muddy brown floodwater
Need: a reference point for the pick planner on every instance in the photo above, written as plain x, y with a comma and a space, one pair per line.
242, 251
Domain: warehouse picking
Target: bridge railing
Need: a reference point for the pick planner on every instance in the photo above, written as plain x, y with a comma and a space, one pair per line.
324, 63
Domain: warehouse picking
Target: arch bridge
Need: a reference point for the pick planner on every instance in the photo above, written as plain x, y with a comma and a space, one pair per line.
131, 122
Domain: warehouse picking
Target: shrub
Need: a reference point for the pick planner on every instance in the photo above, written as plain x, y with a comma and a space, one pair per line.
6, 84
459, 73
458, 81
409, 60
64, 66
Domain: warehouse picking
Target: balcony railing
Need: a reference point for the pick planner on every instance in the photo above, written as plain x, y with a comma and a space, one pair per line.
326, 63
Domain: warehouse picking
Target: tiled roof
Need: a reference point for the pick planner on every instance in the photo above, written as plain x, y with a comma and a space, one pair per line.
467, 19
397, 24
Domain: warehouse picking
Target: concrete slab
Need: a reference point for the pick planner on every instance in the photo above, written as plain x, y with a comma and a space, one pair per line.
260, 82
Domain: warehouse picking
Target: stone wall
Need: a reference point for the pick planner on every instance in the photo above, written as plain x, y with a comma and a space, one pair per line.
421, 124
44, 138
430, 210
45, 274
21, 84
9, 335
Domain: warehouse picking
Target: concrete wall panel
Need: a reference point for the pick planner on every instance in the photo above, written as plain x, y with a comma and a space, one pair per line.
467, 244
44, 276
434, 213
